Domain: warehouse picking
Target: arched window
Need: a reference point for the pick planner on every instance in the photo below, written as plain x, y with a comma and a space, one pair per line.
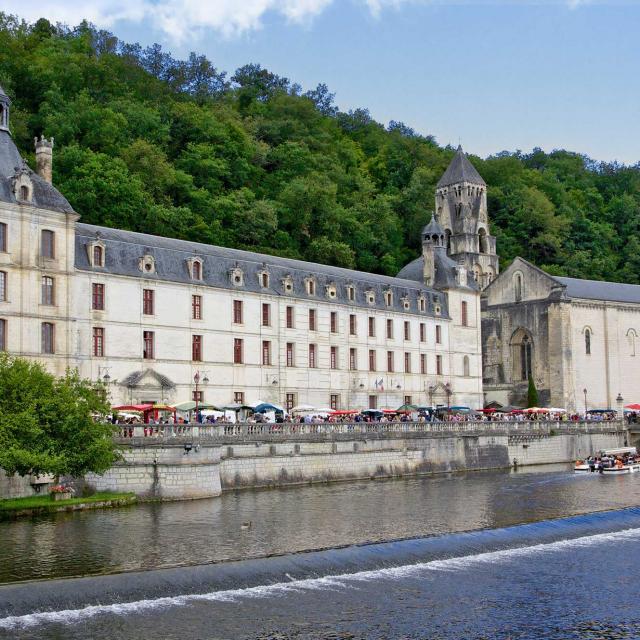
521, 355
525, 358
465, 366
98, 256
632, 336
447, 234
483, 245
587, 342
197, 270
518, 287
24, 193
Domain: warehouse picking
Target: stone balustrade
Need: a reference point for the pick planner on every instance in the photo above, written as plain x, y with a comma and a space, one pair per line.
229, 433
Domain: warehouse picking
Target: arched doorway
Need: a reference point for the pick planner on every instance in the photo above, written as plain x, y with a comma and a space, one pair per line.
522, 354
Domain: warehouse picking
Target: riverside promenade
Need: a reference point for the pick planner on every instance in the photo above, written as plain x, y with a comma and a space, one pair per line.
202, 460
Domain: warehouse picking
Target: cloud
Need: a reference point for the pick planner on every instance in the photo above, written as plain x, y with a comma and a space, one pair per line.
184, 20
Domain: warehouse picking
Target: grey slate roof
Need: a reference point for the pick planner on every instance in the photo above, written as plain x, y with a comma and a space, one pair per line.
445, 271
125, 248
597, 290
45, 196
460, 170
433, 228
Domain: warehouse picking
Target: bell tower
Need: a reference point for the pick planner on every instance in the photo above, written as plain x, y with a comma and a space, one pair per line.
461, 210
5, 103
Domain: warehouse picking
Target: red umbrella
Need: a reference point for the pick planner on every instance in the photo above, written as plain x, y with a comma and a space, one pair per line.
634, 407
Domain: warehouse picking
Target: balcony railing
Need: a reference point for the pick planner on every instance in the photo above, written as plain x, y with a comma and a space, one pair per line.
229, 433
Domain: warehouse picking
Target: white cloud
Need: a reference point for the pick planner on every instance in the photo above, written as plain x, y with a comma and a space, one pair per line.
181, 20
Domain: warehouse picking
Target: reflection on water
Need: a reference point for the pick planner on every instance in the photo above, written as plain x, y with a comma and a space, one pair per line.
298, 518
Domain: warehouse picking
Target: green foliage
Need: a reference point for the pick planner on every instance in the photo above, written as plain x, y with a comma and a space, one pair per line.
46, 423
532, 393
154, 144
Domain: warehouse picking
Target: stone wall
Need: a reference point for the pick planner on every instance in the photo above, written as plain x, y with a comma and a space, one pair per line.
15, 486
164, 471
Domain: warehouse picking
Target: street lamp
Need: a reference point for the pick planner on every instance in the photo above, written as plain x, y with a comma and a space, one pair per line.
585, 401
448, 391
196, 379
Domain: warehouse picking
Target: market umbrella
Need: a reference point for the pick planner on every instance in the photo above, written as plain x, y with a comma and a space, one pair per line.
235, 406
634, 406
303, 408
408, 407
267, 406
190, 405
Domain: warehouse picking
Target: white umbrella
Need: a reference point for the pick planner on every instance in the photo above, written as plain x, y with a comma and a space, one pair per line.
303, 408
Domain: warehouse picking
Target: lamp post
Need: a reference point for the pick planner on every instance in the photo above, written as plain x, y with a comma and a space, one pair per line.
585, 401
196, 379
448, 391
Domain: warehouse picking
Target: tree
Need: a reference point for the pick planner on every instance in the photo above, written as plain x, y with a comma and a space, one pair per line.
532, 393
47, 424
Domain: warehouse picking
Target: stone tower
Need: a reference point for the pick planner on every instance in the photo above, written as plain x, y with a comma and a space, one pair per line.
432, 240
461, 210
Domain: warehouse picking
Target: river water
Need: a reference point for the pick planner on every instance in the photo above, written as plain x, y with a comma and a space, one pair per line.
541, 553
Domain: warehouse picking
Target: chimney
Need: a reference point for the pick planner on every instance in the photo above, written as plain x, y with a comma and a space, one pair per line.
44, 158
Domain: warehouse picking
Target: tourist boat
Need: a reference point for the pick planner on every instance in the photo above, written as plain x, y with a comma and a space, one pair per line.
581, 467
617, 470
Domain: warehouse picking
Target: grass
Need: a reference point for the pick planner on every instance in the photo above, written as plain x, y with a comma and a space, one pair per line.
46, 503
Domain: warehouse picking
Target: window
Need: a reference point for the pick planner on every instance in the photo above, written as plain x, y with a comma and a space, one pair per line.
3, 335
372, 327
334, 401
313, 361
98, 256
290, 401
373, 402
48, 290
238, 350
422, 303
587, 342
351, 293
98, 342
518, 287
197, 396
24, 192
353, 360
372, 359
196, 348
238, 397
196, 270
266, 352
464, 315
388, 298
334, 358
148, 338
148, 302
97, 297
3, 286
390, 329
438, 334
3, 237
439, 365
48, 337
196, 307
334, 322
390, 361
465, 366
407, 400
407, 363
312, 319
525, 358
237, 311
353, 327
264, 279
423, 363
266, 314
47, 244
290, 323
407, 330
291, 362
423, 332
311, 287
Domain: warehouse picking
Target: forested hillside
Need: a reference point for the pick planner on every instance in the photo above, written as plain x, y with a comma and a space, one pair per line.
249, 160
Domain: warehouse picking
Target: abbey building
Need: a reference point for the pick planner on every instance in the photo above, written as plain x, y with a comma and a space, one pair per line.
146, 313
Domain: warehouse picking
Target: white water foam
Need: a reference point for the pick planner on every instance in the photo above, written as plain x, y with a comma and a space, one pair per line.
71, 616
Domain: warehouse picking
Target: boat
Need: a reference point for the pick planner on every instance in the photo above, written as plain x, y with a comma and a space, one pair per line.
620, 469
581, 467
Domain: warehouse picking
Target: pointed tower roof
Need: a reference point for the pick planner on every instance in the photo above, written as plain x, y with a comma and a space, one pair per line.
433, 228
460, 170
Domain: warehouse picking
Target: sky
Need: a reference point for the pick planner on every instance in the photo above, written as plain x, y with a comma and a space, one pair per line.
492, 75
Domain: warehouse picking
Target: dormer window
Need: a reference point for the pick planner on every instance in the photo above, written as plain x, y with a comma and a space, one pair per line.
406, 305
422, 304
195, 268
147, 264
388, 298
351, 292
287, 284
97, 254
263, 277
23, 188
311, 286
237, 277
331, 291
24, 192
370, 296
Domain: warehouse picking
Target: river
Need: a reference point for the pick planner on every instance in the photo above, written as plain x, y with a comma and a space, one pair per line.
479, 555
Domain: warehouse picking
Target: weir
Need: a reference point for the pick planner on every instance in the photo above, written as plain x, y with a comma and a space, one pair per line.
194, 461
